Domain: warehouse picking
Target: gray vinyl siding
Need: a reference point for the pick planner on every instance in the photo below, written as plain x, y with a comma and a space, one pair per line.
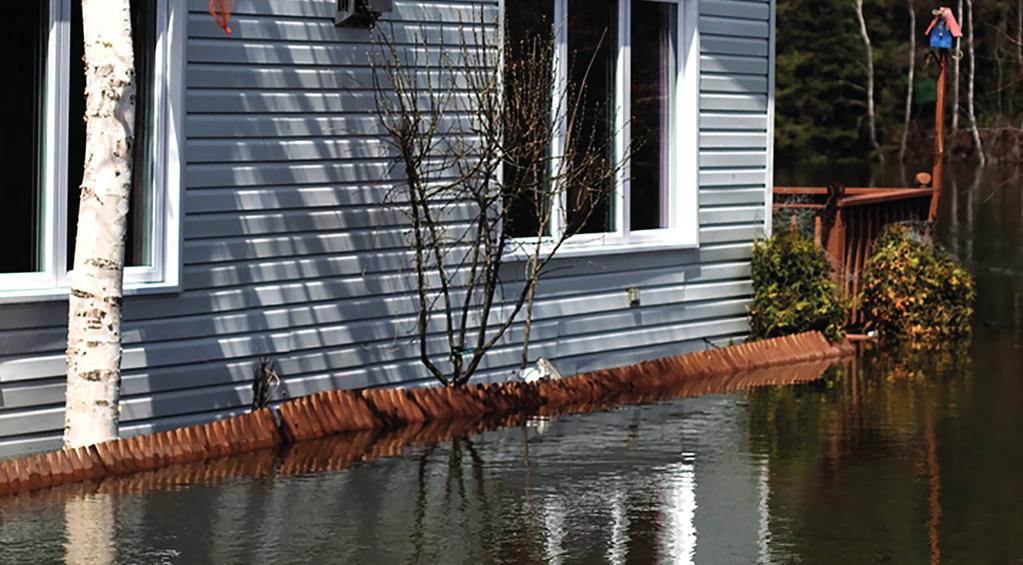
289, 251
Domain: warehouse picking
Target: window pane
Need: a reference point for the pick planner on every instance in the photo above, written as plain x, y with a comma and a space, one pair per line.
591, 69
21, 112
527, 112
654, 30
139, 245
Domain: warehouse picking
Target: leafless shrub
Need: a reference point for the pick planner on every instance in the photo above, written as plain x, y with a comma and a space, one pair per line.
497, 172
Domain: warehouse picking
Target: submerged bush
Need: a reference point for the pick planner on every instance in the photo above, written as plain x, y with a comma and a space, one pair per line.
793, 290
915, 291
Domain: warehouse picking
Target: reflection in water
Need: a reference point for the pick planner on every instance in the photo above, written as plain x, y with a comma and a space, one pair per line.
763, 514
89, 527
617, 549
554, 529
933, 491
678, 531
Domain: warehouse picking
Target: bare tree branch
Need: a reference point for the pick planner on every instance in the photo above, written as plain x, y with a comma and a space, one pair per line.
476, 131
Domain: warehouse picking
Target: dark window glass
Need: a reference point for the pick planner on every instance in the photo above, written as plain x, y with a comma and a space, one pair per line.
591, 69
528, 52
21, 112
654, 31
138, 249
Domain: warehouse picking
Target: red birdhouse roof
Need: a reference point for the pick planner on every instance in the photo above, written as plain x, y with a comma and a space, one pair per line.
950, 22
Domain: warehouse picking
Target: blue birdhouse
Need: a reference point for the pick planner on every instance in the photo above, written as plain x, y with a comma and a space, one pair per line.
943, 29
940, 37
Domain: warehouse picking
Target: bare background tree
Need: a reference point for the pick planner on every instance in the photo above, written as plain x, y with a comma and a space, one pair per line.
871, 112
957, 56
970, 85
909, 81
480, 183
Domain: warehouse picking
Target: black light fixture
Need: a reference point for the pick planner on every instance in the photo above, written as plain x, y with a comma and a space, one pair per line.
360, 13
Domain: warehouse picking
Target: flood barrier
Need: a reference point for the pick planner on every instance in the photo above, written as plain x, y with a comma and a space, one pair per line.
422, 414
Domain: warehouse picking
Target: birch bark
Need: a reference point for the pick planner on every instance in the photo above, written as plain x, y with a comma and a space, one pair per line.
909, 79
871, 119
956, 56
94, 323
1019, 34
970, 85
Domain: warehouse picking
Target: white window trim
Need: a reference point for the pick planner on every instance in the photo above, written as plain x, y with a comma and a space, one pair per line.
683, 195
52, 281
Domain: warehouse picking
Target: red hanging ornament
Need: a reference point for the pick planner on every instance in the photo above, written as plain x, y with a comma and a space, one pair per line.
221, 12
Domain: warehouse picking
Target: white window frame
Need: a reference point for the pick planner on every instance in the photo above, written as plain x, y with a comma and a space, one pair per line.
51, 282
683, 231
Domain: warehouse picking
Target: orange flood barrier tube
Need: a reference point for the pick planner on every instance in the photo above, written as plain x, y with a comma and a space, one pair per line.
432, 411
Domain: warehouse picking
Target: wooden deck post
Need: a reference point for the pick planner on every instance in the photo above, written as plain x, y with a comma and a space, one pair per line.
939, 137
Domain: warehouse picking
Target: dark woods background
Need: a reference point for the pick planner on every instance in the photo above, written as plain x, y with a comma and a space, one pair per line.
821, 105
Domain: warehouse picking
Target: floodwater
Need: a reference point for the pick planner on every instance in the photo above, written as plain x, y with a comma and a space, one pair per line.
888, 458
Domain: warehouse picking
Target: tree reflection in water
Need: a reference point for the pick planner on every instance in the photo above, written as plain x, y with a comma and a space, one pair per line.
89, 529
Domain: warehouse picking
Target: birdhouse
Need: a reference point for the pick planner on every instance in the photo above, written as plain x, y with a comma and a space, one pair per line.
943, 29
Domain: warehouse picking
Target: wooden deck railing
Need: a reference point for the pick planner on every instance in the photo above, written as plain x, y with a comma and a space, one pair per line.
848, 221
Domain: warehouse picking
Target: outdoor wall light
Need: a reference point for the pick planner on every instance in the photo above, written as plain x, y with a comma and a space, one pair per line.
360, 13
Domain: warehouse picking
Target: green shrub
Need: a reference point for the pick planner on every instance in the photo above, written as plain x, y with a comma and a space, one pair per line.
914, 291
793, 290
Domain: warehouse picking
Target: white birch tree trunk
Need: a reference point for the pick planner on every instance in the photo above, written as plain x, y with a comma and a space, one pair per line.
909, 77
871, 119
956, 56
1019, 42
970, 85
1019, 34
94, 324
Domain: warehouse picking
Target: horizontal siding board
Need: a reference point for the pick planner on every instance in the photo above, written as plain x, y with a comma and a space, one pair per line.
735, 140
727, 45
738, 27
732, 196
276, 102
743, 121
724, 158
226, 151
734, 84
726, 64
731, 215
272, 198
736, 9
743, 102
220, 126
731, 177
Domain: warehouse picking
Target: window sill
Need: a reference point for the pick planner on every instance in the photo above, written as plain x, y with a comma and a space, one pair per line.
598, 246
58, 294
